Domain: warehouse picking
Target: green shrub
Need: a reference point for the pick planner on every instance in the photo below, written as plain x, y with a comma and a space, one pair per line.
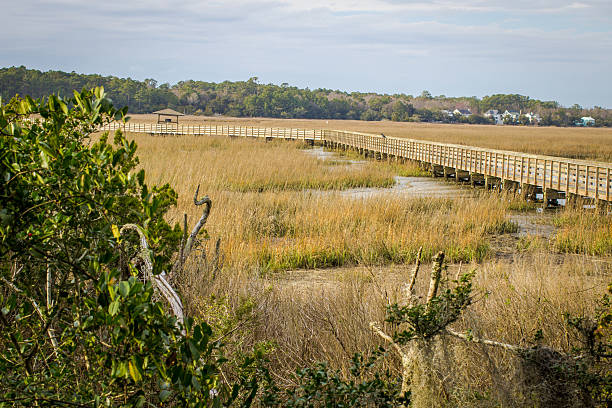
77, 325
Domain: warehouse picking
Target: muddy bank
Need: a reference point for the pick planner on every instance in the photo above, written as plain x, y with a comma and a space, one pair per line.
534, 224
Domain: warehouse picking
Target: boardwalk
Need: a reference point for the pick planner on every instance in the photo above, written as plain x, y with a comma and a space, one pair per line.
554, 177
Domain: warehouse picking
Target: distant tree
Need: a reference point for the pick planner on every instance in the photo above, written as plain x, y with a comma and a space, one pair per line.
401, 111
524, 120
477, 119
370, 115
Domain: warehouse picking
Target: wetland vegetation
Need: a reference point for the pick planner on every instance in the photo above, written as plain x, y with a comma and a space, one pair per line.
338, 261
287, 273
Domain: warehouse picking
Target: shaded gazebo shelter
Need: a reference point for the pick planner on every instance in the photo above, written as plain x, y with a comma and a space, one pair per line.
166, 115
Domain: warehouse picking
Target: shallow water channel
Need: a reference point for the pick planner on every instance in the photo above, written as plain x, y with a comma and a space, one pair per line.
533, 223
404, 186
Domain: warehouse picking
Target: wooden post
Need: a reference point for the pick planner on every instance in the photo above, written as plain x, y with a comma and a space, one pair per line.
567, 178
576, 178
544, 177
586, 182
608, 184
597, 184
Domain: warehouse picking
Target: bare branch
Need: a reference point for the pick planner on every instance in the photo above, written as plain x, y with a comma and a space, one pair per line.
410, 290
386, 337
436, 274
404, 355
159, 282
196, 230
458, 275
474, 339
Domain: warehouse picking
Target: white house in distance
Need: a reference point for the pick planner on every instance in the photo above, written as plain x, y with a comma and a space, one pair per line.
514, 115
587, 121
495, 115
533, 117
462, 112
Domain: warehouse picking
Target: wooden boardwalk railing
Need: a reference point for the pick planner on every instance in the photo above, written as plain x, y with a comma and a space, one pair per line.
218, 130
578, 177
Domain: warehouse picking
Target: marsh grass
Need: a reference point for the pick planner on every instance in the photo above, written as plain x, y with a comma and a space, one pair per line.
265, 224
583, 231
249, 165
270, 217
280, 231
408, 169
323, 314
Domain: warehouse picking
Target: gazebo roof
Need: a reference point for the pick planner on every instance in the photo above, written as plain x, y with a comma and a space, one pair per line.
169, 112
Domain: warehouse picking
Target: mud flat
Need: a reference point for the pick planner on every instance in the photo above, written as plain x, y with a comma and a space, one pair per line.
534, 224
417, 187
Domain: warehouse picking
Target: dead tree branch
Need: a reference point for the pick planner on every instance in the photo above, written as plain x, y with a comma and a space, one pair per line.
159, 282
474, 339
196, 229
404, 355
436, 274
410, 295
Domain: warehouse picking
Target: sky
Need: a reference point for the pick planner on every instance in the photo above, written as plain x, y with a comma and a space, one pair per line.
547, 49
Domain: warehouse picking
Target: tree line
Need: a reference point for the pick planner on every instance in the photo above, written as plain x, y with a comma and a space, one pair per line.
253, 99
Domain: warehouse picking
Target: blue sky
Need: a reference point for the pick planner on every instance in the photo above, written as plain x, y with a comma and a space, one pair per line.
548, 49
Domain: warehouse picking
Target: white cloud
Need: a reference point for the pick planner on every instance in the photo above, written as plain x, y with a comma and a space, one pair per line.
378, 6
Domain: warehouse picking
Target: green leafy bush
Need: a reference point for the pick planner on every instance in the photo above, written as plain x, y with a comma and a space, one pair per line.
77, 325
319, 386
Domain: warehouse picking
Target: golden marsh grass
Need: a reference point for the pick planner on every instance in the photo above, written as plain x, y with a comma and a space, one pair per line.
324, 314
279, 228
223, 164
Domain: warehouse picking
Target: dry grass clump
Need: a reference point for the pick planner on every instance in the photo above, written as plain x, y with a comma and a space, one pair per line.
578, 143
524, 303
336, 231
576, 231
281, 231
583, 232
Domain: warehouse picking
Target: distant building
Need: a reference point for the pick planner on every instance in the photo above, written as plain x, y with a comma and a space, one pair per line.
447, 113
533, 117
462, 112
513, 115
166, 115
586, 121
495, 115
